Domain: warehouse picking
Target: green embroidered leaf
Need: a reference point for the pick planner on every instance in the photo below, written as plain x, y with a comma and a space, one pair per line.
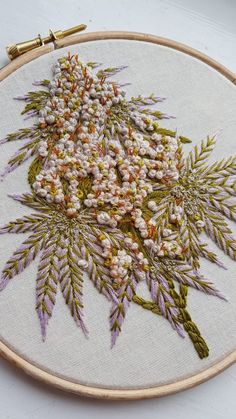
190, 240
37, 100
224, 167
21, 134
197, 158
71, 279
35, 202
98, 273
217, 229
46, 286
93, 64
109, 72
34, 169
23, 154
146, 101
124, 294
33, 222
224, 206
22, 257
185, 275
163, 131
211, 256
184, 140
162, 289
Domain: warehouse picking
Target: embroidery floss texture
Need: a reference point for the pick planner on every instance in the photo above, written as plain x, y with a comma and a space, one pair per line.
114, 196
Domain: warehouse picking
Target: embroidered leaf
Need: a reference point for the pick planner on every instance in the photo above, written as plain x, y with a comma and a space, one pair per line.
47, 280
224, 205
110, 72
147, 305
146, 101
34, 169
98, 273
222, 187
71, 279
161, 295
36, 100
199, 155
189, 237
23, 154
217, 229
22, 257
161, 215
222, 168
183, 317
32, 201
184, 140
93, 64
185, 275
32, 222
124, 293
21, 134
211, 256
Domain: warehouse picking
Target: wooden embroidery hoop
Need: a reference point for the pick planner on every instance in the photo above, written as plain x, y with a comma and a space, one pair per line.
66, 385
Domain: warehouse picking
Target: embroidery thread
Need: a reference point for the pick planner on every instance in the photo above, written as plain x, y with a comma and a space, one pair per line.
116, 198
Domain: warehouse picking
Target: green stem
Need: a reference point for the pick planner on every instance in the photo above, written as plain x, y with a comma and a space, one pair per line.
189, 326
184, 318
147, 305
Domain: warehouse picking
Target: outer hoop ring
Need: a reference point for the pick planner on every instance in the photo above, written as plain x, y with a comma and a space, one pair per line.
70, 386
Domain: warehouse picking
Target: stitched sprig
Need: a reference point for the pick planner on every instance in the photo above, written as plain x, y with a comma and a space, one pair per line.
115, 197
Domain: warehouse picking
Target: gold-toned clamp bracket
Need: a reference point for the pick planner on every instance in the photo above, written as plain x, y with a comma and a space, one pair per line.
15, 50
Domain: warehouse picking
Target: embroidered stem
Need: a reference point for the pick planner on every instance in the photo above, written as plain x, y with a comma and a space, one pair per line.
184, 317
189, 326
147, 305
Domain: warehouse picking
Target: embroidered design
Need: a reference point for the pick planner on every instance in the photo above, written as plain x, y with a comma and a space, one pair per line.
116, 198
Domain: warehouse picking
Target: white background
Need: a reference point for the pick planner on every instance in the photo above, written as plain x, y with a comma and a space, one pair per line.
206, 25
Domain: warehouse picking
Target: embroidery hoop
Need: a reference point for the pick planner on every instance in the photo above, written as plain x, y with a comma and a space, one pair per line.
71, 386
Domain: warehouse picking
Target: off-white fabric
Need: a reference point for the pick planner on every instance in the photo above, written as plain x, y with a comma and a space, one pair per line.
148, 352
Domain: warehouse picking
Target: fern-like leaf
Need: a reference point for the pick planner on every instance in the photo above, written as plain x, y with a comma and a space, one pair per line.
124, 293
98, 273
36, 101
71, 279
109, 72
223, 168
190, 240
22, 257
217, 229
34, 169
224, 205
209, 255
32, 201
150, 100
21, 134
185, 275
32, 222
23, 154
198, 156
47, 280
161, 295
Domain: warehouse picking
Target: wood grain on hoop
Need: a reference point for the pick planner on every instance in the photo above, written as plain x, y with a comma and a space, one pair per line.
49, 378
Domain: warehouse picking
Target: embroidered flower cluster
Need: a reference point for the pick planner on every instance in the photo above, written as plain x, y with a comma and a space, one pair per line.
115, 197
122, 169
